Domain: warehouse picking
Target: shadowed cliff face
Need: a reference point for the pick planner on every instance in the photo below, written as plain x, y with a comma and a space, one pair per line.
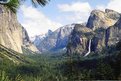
114, 33
27, 44
103, 29
11, 32
78, 39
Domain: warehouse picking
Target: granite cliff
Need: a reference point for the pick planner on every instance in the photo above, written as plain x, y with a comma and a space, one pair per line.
103, 29
54, 40
12, 34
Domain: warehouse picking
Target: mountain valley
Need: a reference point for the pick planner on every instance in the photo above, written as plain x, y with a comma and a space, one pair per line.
74, 52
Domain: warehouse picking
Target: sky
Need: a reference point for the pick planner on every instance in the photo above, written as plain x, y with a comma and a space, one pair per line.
58, 13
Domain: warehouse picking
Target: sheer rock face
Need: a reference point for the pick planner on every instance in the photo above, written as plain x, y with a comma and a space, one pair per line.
114, 33
103, 28
11, 32
78, 40
26, 41
100, 19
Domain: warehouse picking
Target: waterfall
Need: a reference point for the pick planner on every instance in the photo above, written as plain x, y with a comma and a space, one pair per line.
89, 48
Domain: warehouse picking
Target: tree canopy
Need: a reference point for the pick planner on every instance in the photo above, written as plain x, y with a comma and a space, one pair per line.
14, 4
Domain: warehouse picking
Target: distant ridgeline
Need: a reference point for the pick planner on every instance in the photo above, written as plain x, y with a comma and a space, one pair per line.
54, 41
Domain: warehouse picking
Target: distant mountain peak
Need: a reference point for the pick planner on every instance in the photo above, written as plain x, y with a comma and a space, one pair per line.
49, 32
54, 40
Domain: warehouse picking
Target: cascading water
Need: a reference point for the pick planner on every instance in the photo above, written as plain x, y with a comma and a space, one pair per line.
89, 48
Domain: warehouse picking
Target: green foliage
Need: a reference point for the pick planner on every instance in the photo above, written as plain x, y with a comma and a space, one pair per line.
12, 5
59, 67
3, 76
63, 68
104, 71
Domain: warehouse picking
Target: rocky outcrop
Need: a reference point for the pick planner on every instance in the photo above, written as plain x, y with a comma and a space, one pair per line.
100, 19
114, 33
12, 34
26, 41
11, 56
10, 30
78, 39
54, 41
103, 29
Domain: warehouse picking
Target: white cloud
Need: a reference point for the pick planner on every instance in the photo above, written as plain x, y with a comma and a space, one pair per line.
115, 5
75, 7
35, 21
101, 7
112, 4
79, 11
